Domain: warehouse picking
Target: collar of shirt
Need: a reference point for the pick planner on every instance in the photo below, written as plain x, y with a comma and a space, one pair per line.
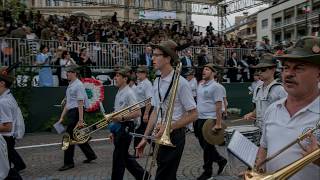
5, 93
73, 83
208, 82
123, 89
313, 106
168, 77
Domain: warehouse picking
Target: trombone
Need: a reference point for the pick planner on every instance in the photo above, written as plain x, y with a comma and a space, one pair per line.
165, 138
290, 169
82, 135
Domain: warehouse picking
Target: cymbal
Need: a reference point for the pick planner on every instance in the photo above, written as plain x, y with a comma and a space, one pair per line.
213, 138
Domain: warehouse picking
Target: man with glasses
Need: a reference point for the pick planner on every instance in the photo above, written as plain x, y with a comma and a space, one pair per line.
266, 93
184, 112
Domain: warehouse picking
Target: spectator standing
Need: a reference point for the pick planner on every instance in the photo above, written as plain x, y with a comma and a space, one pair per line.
85, 62
64, 61
146, 57
45, 72
232, 65
186, 61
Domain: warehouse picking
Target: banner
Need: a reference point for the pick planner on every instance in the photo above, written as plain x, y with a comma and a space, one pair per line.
154, 15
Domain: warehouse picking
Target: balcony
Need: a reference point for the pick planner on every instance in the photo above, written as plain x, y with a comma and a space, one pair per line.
287, 21
276, 24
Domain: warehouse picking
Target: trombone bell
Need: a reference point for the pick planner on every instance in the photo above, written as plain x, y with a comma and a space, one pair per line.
165, 138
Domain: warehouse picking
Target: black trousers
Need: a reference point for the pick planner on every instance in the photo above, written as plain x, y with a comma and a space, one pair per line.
168, 158
14, 157
121, 157
73, 117
210, 153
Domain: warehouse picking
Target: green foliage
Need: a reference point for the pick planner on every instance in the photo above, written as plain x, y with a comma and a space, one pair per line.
15, 6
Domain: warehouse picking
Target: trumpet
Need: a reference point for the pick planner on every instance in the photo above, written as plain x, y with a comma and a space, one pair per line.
291, 169
82, 134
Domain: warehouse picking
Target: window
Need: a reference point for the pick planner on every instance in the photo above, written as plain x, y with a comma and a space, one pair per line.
264, 23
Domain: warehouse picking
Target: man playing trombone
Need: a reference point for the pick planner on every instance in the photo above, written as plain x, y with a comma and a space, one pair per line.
184, 112
123, 124
288, 118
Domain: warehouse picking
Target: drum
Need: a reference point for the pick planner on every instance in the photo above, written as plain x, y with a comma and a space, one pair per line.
249, 131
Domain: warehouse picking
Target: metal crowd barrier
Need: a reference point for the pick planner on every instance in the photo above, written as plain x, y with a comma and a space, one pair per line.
105, 55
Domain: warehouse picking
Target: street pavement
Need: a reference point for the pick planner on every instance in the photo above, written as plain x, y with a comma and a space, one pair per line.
43, 162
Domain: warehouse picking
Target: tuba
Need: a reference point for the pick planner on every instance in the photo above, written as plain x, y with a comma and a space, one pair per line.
290, 169
82, 135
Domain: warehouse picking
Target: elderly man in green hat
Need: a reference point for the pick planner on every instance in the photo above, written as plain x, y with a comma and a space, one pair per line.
286, 119
267, 92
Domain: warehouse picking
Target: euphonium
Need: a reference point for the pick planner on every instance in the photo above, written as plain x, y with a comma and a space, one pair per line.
290, 169
82, 134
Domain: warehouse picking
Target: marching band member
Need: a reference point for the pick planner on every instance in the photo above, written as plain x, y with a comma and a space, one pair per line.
266, 93
185, 112
9, 119
143, 90
121, 137
189, 75
76, 101
4, 165
209, 106
286, 119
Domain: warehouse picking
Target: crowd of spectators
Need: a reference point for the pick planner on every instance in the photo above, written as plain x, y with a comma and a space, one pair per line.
32, 26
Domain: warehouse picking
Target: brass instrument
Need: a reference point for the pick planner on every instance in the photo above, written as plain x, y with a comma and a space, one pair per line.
165, 138
290, 169
82, 134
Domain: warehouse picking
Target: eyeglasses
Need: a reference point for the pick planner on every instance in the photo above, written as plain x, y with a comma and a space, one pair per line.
262, 70
156, 55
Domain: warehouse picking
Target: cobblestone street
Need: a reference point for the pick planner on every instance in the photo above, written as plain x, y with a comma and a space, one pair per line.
43, 162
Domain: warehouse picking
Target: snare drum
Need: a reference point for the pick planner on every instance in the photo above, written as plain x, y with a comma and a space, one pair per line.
249, 131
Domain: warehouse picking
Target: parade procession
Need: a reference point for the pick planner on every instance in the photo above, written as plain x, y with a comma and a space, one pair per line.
160, 90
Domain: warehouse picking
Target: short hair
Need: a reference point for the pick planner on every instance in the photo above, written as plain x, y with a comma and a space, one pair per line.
6, 83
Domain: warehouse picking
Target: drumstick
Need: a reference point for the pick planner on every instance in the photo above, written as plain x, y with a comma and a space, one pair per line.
236, 120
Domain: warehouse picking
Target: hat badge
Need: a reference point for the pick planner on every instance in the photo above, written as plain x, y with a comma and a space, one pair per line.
316, 49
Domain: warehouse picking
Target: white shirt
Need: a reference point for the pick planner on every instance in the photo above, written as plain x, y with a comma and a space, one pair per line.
64, 62
4, 161
223, 89
208, 94
125, 97
8, 111
193, 85
281, 129
183, 102
143, 90
264, 96
76, 92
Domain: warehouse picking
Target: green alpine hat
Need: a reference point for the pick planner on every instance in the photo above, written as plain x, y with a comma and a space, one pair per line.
266, 61
307, 49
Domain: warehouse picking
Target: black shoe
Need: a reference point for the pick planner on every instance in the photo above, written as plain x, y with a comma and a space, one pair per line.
204, 176
222, 165
66, 167
89, 160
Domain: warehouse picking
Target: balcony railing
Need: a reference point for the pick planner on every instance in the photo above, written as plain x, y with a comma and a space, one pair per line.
287, 21
277, 24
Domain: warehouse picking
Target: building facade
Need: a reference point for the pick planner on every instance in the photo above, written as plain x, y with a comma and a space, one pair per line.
127, 10
289, 20
245, 28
